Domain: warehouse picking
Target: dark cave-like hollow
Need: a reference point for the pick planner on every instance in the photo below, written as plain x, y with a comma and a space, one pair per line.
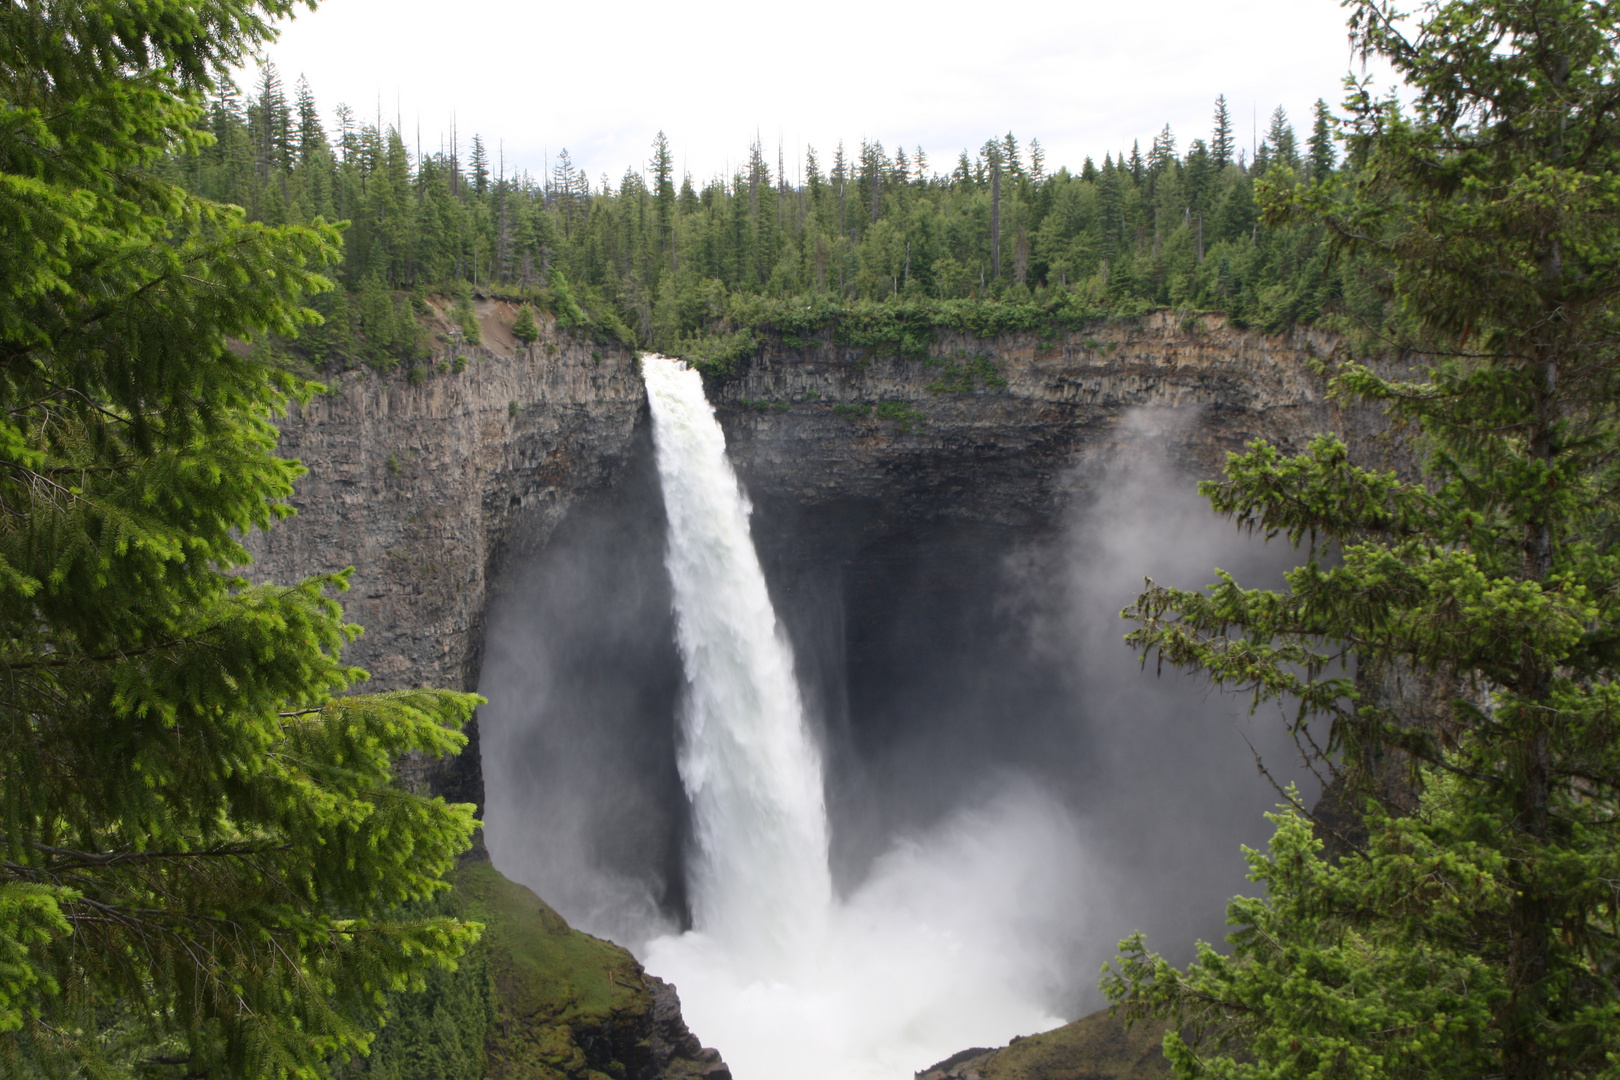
942, 656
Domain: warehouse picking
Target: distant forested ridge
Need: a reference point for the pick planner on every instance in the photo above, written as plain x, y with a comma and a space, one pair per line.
878, 244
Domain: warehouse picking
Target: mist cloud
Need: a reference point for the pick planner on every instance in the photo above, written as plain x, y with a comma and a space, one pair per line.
1010, 792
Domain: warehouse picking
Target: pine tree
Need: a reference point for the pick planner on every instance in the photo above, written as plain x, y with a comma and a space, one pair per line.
963, 174
503, 220
840, 179
202, 828
1280, 140
759, 175
1010, 156
663, 170
311, 137
1221, 142
874, 164
1321, 157
479, 163
1162, 154
275, 120
992, 153
1199, 171
1110, 203
346, 133
814, 184
1470, 929
564, 191
526, 329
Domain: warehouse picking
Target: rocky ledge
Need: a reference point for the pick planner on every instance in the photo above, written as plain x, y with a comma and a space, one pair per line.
569, 1005
1095, 1047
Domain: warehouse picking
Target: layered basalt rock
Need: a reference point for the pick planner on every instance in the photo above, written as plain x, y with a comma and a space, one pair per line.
988, 427
426, 486
432, 488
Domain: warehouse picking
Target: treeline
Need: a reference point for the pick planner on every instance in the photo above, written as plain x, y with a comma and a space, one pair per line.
672, 264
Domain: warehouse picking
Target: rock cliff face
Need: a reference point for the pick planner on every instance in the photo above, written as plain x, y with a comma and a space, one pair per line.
987, 428
430, 491
862, 469
897, 502
426, 489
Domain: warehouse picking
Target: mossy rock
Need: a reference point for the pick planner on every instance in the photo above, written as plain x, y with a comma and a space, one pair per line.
566, 1004
1095, 1047
534, 999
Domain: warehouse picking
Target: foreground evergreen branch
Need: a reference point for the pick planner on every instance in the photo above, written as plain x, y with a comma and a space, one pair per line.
202, 843
1477, 930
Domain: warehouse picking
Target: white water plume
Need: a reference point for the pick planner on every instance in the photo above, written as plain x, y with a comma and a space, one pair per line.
937, 949
760, 881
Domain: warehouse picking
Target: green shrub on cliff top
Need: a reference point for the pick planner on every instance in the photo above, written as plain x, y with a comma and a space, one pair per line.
525, 328
465, 318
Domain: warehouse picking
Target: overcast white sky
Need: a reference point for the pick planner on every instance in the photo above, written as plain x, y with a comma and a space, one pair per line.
1083, 76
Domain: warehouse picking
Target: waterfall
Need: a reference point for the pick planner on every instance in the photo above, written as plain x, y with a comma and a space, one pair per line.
759, 881
933, 951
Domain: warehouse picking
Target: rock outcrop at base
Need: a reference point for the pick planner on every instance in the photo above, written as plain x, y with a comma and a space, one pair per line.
676, 1051
1095, 1047
569, 1006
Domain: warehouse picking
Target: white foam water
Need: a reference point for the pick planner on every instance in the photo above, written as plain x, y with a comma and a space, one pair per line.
933, 952
760, 881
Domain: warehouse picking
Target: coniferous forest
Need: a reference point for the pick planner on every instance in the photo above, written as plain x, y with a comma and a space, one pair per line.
885, 243
212, 867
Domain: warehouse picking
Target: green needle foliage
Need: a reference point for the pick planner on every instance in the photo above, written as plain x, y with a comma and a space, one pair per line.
1476, 930
526, 329
711, 268
202, 837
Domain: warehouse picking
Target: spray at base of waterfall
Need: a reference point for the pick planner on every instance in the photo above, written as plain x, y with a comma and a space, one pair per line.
944, 941
959, 937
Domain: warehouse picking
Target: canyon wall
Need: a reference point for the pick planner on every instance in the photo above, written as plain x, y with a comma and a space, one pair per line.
868, 474
432, 488
996, 422
841, 450
425, 487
